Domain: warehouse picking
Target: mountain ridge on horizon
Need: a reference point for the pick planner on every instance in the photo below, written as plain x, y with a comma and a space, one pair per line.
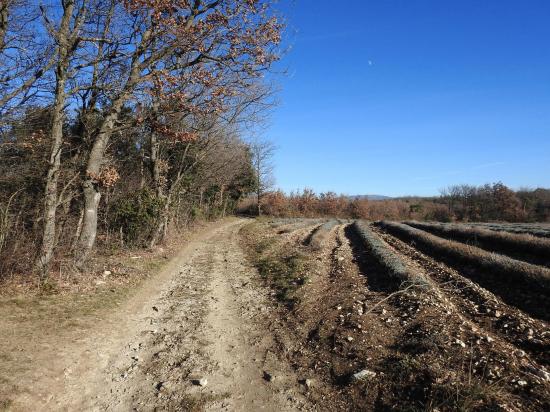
370, 197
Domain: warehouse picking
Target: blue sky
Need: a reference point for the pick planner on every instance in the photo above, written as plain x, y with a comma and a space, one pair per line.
406, 97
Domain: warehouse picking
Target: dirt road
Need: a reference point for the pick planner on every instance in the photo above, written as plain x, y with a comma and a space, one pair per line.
194, 336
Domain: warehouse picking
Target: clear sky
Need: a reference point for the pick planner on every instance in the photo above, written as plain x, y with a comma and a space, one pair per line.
399, 97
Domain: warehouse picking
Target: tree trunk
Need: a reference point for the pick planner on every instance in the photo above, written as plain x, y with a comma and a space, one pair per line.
58, 115
259, 184
78, 229
259, 198
4, 17
50, 195
224, 209
90, 188
160, 230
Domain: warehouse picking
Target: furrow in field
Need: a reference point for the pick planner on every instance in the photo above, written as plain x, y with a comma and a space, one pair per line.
518, 283
480, 306
434, 335
528, 248
379, 312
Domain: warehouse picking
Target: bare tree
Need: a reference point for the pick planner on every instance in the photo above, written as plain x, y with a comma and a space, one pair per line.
262, 152
67, 35
222, 47
170, 82
25, 55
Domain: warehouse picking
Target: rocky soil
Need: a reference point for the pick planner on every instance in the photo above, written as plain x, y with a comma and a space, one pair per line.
371, 344
284, 316
195, 337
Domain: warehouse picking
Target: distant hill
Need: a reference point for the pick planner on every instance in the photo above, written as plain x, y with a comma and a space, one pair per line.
370, 197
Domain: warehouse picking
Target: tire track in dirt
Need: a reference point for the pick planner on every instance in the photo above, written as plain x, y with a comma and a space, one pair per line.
240, 348
209, 319
231, 338
528, 337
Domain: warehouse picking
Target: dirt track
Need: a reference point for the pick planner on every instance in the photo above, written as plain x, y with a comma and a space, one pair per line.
208, 315
202, 317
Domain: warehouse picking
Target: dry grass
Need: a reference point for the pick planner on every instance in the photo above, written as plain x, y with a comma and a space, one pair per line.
34, 320
283, 268
30, 323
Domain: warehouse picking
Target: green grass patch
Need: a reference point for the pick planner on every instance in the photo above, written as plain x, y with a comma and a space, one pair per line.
285, 274
282, 266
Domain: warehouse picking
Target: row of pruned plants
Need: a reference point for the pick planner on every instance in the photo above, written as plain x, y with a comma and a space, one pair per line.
318, 237
512, 279
387, 258
533, 229
533, 247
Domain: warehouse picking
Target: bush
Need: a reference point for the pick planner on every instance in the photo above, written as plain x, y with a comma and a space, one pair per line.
439, 213
137, 216
386, 257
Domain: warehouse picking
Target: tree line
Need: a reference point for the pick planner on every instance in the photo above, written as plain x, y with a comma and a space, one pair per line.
122, 119
490, 202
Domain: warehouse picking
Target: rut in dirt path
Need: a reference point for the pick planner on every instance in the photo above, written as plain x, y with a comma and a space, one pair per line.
227, 342
207, 319
240, 346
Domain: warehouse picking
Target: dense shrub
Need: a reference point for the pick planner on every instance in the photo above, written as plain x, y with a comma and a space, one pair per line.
494, 202
439, 213
137, 216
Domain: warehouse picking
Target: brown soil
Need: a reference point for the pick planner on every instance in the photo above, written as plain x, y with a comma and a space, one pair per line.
481, 306
454, 346
202, 316
209, 314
